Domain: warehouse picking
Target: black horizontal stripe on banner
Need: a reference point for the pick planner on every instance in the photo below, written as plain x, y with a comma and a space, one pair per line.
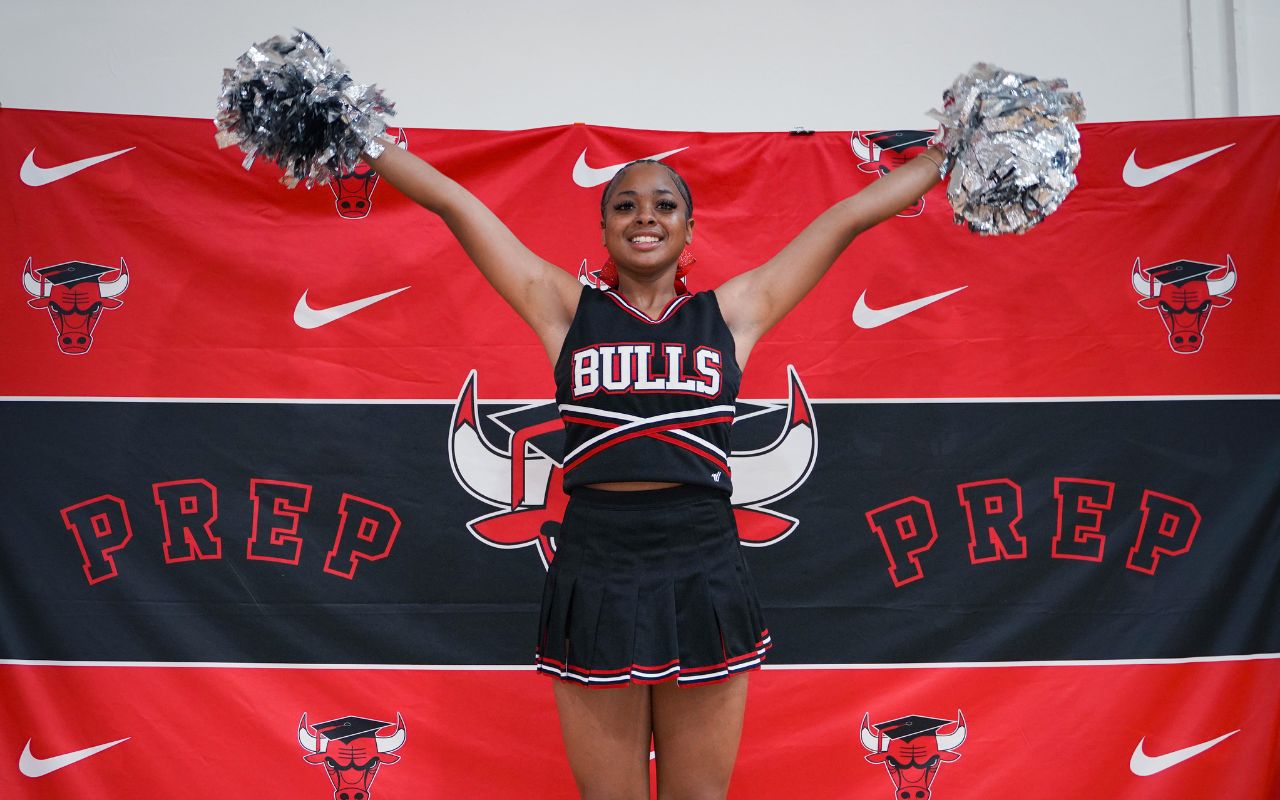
834, 590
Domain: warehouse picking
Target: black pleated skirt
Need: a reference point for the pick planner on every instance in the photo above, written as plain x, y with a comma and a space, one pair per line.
647, 587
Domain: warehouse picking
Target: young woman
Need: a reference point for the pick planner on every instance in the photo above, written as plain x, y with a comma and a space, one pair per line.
648, 594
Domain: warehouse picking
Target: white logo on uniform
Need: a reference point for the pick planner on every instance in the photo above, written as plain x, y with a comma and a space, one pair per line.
616, 368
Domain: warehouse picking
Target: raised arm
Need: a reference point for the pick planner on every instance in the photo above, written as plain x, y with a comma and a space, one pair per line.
544, 295
755, 301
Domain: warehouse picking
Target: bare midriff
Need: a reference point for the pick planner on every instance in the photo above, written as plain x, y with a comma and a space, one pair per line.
632, 486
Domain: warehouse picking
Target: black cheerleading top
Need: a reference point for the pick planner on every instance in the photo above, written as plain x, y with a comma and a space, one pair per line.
647, 399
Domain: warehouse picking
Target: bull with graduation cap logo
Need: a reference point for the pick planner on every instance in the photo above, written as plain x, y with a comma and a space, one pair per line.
353, 191
75, 294
351, 751
880, 152
912, 749
1184, 294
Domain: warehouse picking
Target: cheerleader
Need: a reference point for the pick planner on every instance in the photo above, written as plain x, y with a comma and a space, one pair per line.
649, 621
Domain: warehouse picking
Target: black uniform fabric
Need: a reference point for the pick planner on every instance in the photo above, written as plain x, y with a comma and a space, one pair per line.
647, 399
649, 586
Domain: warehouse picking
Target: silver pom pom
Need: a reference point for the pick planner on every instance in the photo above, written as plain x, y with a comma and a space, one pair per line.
1013, 145
287, 99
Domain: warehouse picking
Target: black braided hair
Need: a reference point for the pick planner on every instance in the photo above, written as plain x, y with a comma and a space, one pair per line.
681, 186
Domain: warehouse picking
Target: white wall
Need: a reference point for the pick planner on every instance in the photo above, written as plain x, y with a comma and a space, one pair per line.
748, 65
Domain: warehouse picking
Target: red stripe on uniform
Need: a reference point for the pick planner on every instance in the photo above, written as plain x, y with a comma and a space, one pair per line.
693, 449
633, 434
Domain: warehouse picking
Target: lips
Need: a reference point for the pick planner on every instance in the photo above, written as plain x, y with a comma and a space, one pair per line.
645, 242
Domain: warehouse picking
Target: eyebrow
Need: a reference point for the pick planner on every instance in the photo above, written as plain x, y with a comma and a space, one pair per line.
633, 191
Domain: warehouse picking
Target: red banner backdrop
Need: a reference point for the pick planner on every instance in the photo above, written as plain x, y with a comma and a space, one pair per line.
277, 453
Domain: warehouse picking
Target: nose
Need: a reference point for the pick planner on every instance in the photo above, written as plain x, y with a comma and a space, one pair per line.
74, 343
352, 205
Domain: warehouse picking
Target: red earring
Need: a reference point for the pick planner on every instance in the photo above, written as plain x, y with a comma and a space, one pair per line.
609, 273
683, 266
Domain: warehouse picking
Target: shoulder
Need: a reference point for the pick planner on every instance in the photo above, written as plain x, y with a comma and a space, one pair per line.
592, 301
719, 302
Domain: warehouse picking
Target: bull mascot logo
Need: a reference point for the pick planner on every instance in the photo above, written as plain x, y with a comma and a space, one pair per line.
353, 191
524, 480
351, 751
1184, 293
75, 294
880, 152
912, 749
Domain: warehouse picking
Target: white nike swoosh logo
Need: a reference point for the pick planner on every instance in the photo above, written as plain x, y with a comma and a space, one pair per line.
34, 767
866, 317
304, 316
1142, 765
586, 177
1138, 177
39, 176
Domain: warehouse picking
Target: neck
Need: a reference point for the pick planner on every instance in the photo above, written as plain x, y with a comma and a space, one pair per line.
650, 292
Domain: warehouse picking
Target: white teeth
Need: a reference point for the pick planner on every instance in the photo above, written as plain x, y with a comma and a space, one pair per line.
643, 239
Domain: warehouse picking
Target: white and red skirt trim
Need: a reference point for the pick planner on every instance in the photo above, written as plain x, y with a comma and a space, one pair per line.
637, 673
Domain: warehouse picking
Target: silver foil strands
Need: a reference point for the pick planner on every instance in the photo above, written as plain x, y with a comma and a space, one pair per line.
1012, 145
288, 100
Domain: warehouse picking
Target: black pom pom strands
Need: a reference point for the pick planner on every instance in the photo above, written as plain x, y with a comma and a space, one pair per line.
289, 101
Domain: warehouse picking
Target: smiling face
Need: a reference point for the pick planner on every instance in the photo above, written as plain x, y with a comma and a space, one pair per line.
646, 222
